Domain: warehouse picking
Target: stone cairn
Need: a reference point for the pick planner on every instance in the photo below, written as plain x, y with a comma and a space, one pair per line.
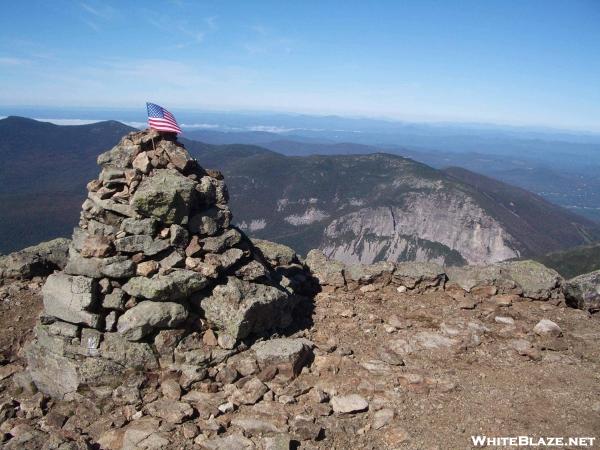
156, 275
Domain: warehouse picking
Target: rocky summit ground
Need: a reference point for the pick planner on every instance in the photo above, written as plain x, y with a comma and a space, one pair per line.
377, 369
161, 325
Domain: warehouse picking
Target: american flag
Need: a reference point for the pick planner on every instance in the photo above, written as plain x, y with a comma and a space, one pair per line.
162, 120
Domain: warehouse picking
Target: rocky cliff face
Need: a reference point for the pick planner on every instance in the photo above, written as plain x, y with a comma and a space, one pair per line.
441, 226
368, 208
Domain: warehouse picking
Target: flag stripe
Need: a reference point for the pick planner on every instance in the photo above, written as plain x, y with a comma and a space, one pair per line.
160, 119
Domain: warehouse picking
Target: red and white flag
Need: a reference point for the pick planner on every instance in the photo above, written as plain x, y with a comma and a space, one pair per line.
162, 120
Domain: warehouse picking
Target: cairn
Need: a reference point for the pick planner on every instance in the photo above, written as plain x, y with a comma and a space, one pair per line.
155, 269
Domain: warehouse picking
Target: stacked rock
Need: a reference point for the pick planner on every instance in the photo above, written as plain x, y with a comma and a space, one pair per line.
154, 262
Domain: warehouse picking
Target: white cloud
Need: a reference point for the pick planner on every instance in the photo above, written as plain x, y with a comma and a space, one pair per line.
202, 126
270, 129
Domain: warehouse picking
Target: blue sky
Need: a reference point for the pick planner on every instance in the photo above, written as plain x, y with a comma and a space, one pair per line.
511, 62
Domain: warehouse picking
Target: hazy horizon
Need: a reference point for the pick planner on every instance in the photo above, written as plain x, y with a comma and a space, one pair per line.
64, 115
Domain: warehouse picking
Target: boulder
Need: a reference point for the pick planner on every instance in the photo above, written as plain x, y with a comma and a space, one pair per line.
546, 327
138, 355
380, 272
419, 276
53, 374
326, 271
528, 278
70, 298
276, 254
166, 195
119, 156
287, 355
143, 318
38, 260
173, 286
535, 280
583, 291
240, 308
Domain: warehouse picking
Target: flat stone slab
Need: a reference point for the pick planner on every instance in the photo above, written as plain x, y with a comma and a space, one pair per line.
143, 318
348, 404
176, 285
288, 355
69, 298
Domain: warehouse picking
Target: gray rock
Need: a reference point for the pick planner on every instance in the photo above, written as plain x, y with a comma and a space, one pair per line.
177, 155
170, 410
137, 355
326, 271
536, 280
253, 271
422, 276
367, 274
240, 308
112, 267
382, 417
583, 292
471, 277
39, 260
139, 226
115, 300
142, 163
179, 236
210, 221
530, 278
231, 442
52, 374
143, 318
166, 195
218, 244
278, 442
110, 321
141, 243
119, 156
276, 254
250, 393
175, 259
173, 286
256, 425
70, 297
111, 205
65, 329
95, 227
225, 260
347, 404
546, 327
288, 355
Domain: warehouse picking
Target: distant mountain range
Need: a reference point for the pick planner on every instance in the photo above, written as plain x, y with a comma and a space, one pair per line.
563, 172
355, 207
